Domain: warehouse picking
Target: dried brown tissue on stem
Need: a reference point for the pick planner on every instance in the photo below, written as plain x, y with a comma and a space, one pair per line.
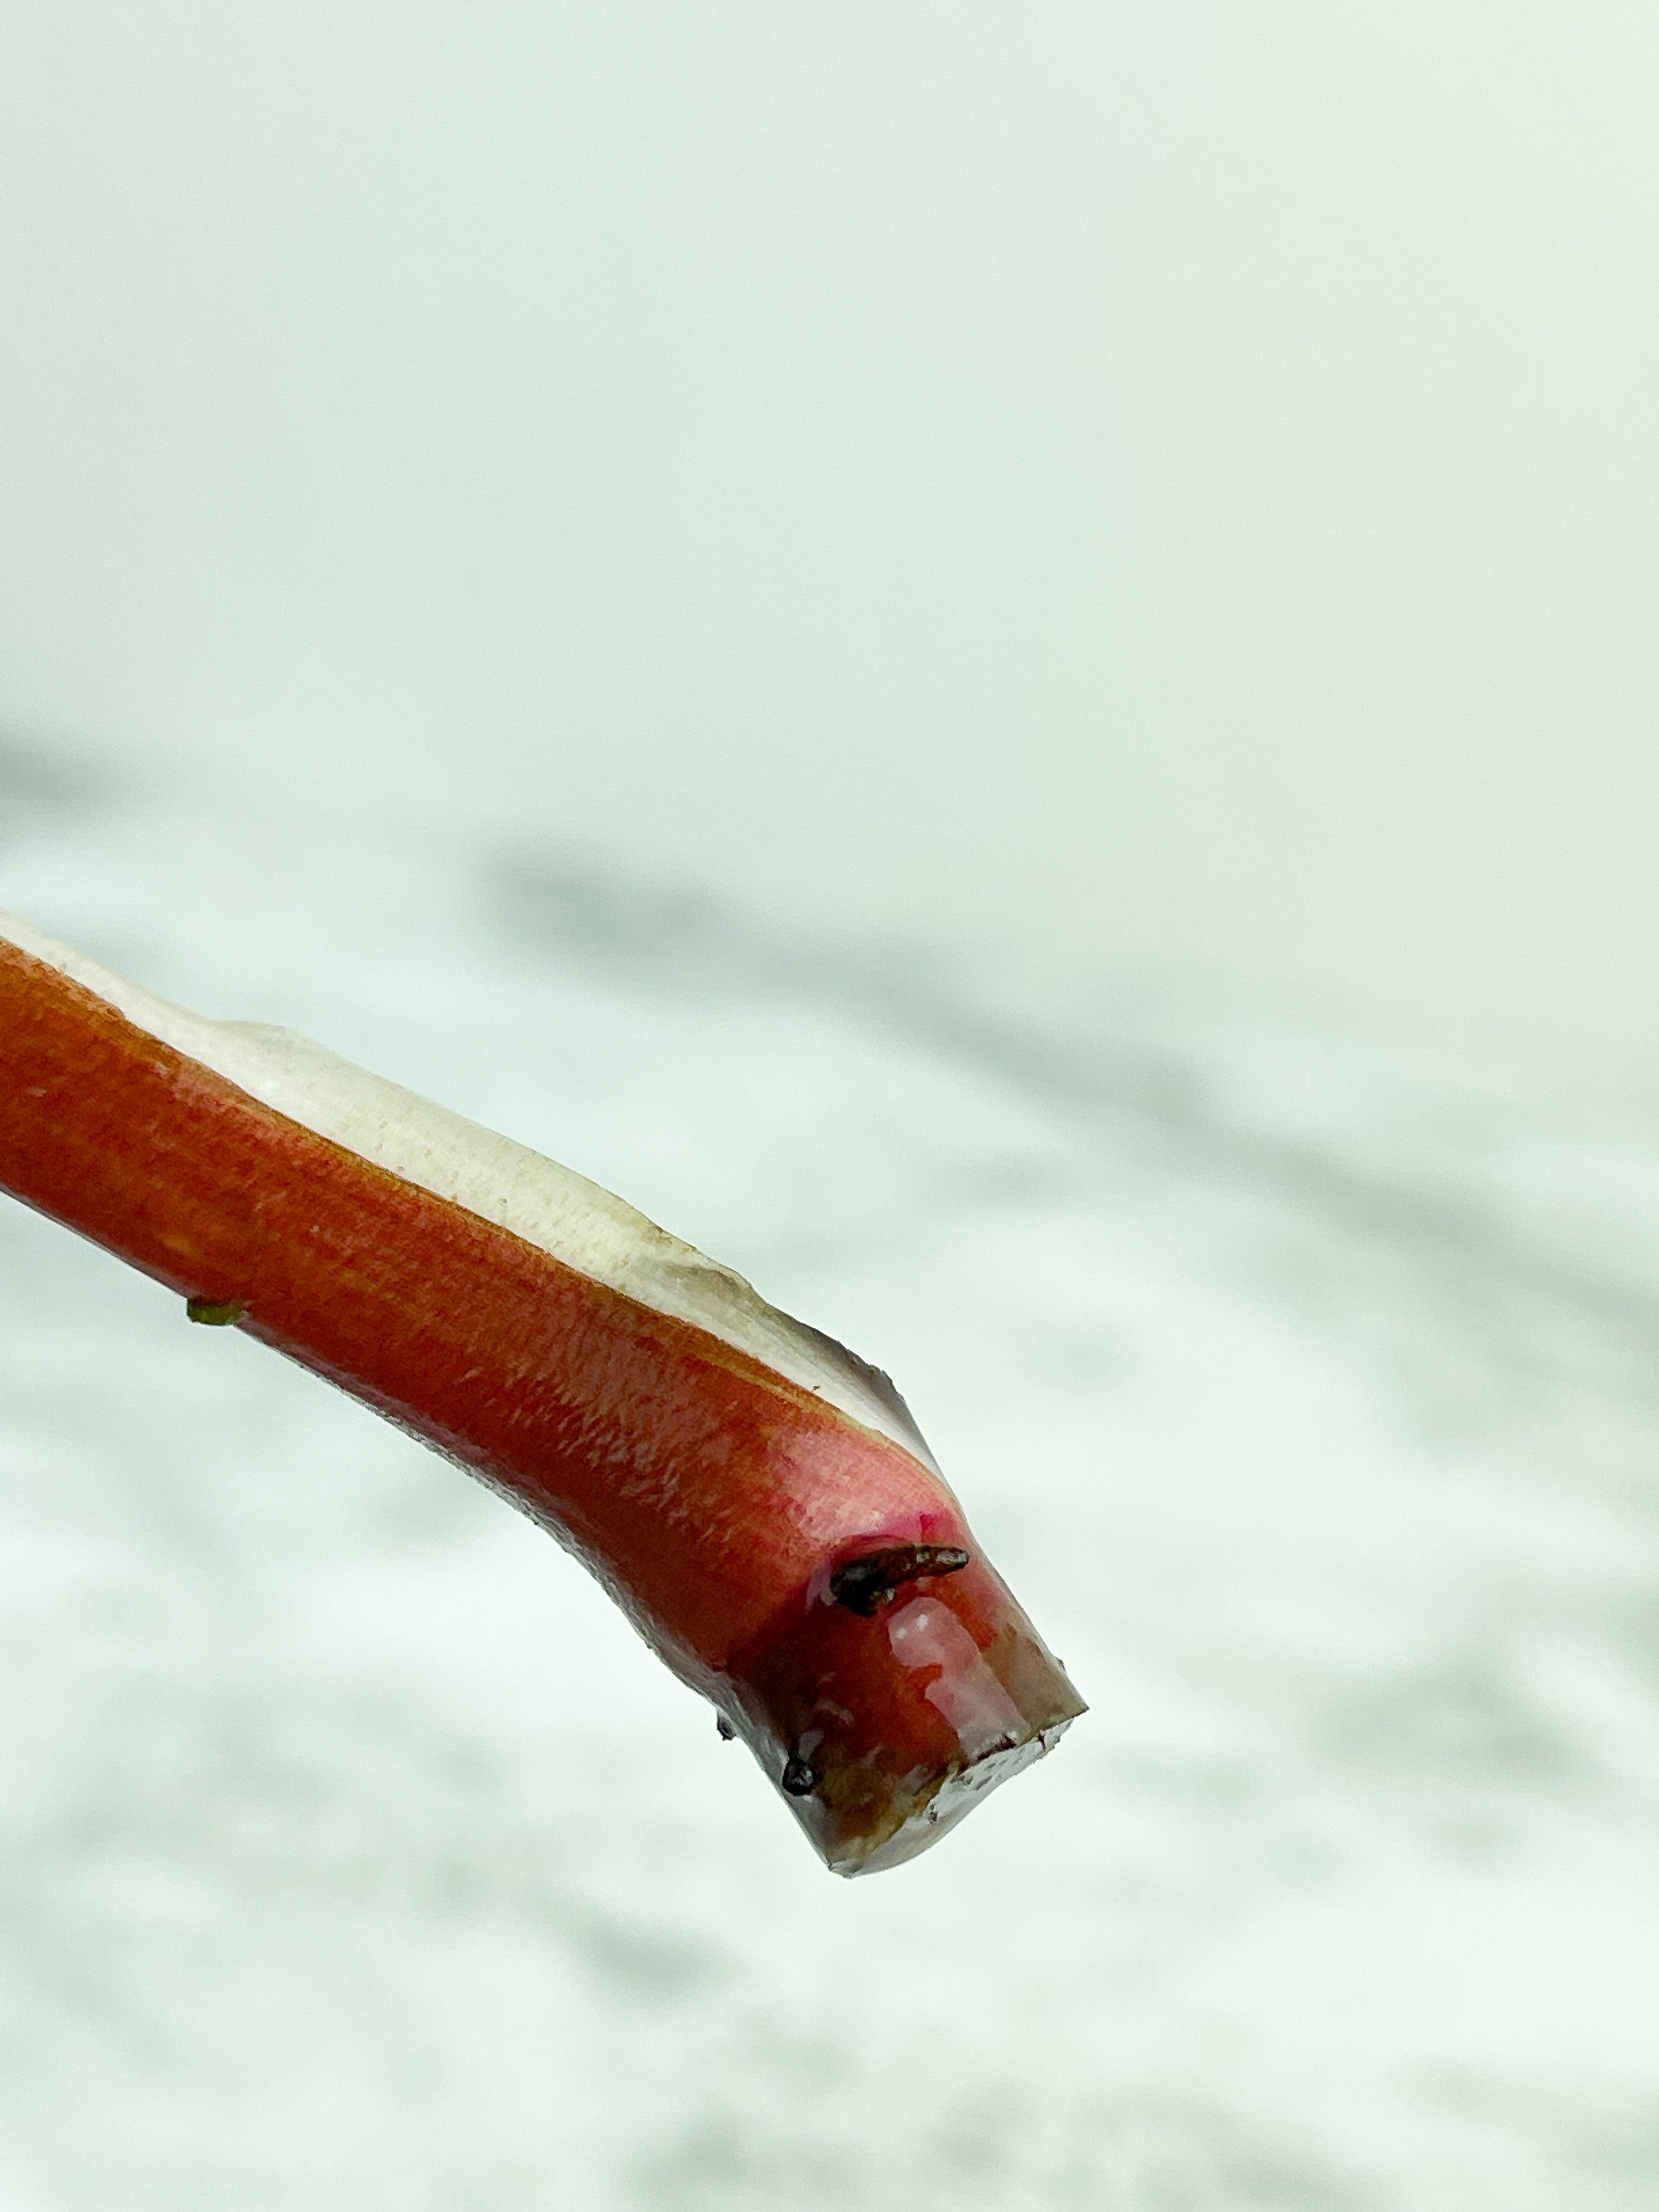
759, 1500
864, 1585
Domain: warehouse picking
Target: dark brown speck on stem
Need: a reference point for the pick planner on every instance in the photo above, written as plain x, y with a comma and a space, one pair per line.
865, 1585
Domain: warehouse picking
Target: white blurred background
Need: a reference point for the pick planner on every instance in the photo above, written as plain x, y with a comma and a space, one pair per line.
1000, 661
1174, 484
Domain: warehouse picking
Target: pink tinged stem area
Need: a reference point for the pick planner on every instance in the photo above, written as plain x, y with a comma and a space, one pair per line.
810, 1575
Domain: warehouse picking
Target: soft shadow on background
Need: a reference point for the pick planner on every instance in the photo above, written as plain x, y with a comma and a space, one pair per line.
1000, 663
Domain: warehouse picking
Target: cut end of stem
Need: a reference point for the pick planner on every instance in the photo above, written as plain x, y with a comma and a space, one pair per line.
883, 1722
